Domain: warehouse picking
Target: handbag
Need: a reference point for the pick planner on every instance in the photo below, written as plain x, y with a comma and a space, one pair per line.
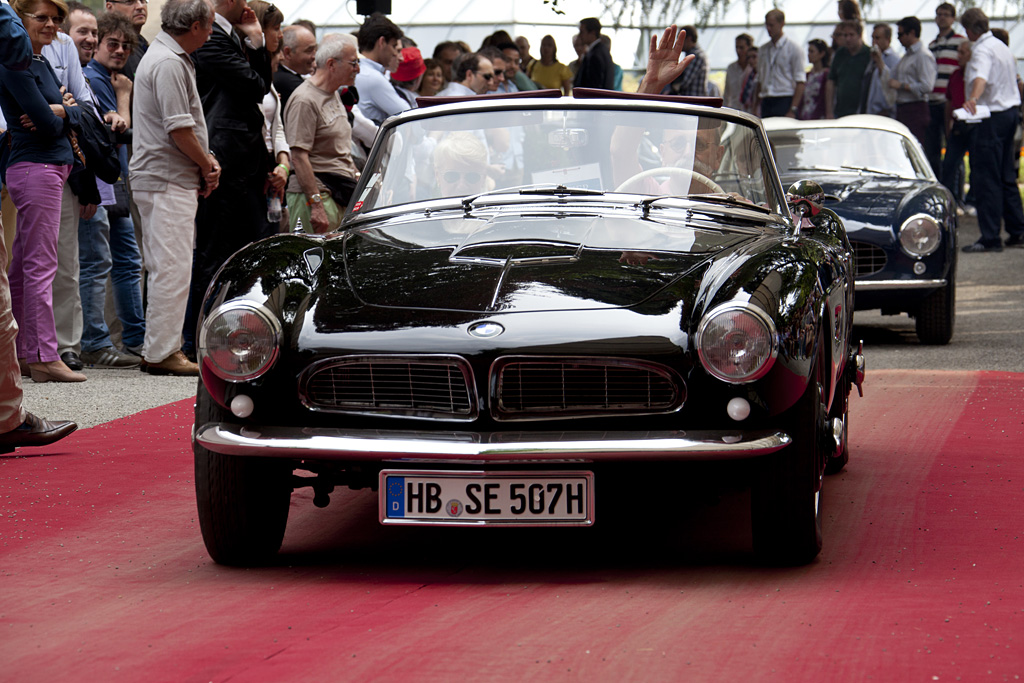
121, 208
96, 142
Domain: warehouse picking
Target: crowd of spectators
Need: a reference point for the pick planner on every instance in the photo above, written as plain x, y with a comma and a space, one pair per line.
228, 128
232, 126
957, 95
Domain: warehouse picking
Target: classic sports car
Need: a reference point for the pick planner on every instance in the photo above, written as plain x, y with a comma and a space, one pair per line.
516, 312
901, 221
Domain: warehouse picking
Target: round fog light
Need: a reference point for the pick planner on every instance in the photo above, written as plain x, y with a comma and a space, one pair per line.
241, 406
919, 268
738, 409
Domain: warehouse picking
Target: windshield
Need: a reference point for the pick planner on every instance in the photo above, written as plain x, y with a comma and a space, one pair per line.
851, 149
584, 151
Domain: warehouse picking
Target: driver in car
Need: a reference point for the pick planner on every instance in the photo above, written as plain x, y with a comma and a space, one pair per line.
690, 153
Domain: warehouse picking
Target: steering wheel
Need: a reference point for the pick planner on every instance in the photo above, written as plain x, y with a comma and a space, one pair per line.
685, 173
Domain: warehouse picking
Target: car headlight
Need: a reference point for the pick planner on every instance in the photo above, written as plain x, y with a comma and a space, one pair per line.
737, 342
920, 235
240, 340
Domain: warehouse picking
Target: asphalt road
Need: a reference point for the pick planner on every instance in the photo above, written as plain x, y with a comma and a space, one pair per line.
989, 330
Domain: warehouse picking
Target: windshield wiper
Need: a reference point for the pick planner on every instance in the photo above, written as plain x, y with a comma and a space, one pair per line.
812, 168
542, 190
867, 169
563, 191
726, 199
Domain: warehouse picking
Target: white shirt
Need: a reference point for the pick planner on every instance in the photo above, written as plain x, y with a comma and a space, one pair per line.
377, 97
273, 129
993, 61
780, 66
454, 89
63, 57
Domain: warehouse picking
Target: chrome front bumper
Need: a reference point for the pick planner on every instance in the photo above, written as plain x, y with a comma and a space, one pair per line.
494, 447
884, 285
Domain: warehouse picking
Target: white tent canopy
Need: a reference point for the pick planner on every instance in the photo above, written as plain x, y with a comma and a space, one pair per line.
429, 22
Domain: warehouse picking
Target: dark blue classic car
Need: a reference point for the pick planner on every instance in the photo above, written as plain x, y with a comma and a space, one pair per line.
901, 221
520, 308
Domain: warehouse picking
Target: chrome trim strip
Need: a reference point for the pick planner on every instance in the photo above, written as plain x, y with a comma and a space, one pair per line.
369, 445
876, 285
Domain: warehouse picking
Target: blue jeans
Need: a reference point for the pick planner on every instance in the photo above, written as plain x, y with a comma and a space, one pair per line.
106, 246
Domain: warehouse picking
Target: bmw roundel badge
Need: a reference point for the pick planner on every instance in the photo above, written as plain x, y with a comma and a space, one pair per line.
485, 330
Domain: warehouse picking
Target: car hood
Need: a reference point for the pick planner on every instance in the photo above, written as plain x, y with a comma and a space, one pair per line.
864, 198
542, 262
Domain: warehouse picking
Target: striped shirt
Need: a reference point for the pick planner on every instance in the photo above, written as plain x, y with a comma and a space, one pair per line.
944, 49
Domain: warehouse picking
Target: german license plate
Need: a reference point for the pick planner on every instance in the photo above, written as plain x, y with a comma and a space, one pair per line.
480, 498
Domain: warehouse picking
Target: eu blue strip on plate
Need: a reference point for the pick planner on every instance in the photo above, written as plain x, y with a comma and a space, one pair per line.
396, 497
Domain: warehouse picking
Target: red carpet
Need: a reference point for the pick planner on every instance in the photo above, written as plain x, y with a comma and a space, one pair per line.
104, 577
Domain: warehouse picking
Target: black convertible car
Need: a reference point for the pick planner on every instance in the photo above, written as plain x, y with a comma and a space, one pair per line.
901, 221
530, 298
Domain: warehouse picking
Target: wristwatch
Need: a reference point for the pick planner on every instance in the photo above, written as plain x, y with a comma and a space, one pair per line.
794, 109
314, 199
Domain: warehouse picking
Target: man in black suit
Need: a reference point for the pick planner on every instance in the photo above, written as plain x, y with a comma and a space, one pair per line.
232, 75
298, 54
595, 70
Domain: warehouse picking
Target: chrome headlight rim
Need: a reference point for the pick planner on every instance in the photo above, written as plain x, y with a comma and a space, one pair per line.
932, 248
761, 317
261, 312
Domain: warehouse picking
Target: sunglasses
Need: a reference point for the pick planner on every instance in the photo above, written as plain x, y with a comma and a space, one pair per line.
45, 18
452, 177
487, 77
115, 44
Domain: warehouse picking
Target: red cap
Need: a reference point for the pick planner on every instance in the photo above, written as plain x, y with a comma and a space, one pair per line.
411, 67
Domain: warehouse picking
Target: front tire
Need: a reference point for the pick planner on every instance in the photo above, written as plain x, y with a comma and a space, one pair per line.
936, 316
786, 494
243, 502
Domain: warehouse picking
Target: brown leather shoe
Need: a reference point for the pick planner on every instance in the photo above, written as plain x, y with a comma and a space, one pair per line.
54, 371
174, 364
35, 431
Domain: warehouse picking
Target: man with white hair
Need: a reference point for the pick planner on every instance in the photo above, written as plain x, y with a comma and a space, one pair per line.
320, 137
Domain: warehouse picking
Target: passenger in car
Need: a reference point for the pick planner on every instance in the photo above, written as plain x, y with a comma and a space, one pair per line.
460, 165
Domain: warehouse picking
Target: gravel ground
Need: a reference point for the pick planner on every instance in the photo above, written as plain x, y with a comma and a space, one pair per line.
989, 330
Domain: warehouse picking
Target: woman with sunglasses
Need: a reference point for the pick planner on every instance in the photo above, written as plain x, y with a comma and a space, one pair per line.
36, 156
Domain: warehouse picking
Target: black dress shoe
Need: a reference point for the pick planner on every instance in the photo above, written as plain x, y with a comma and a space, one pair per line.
978, 248
1015, 241
35, 431
72, 360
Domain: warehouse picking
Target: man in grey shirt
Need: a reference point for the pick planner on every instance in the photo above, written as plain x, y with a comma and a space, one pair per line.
171, 166
912, 79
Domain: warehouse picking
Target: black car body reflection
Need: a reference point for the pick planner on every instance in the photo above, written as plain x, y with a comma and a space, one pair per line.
526, 320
